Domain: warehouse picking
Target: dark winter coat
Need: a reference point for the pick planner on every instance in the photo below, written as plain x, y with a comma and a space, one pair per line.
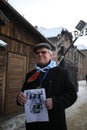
59, 87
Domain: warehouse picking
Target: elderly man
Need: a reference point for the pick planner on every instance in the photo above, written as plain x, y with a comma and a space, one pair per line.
60, 92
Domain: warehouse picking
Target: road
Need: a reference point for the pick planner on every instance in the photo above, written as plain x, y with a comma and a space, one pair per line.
76, 115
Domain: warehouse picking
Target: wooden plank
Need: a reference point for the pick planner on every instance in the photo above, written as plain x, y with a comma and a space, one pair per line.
2, 79
15, 77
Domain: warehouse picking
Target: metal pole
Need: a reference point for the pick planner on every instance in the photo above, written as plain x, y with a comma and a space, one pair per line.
80, 26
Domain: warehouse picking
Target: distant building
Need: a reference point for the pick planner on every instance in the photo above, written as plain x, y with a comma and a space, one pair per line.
81, 64
85, 62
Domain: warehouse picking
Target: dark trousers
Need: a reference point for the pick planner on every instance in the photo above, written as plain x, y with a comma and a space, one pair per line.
41, 126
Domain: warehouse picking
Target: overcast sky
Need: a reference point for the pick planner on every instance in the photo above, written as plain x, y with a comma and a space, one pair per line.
53, 13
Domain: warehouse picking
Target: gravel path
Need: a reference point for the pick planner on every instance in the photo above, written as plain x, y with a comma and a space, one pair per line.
77, 114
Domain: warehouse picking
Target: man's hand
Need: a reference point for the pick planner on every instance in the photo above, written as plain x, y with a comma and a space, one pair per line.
21, 98
49, 103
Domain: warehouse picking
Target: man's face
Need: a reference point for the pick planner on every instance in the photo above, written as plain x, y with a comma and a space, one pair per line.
43, 56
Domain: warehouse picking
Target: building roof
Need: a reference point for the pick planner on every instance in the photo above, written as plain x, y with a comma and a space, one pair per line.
10, 12
52, 32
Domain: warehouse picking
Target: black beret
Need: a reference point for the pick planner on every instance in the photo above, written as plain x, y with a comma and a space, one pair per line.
41, 45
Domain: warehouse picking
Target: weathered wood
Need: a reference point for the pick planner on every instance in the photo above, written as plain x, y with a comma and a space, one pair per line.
15, 77
2, 78
20, 37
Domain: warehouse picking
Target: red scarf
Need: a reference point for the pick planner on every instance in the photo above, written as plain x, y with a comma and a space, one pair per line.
33, 77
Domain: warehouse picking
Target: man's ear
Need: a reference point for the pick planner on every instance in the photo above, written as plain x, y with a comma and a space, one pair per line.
51, 54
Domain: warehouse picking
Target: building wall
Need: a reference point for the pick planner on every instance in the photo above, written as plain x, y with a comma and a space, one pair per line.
85, 62
73, 57
19, 59
81, 59
66, 43
2, 77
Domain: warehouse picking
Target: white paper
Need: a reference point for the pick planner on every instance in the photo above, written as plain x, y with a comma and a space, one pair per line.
35, 109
